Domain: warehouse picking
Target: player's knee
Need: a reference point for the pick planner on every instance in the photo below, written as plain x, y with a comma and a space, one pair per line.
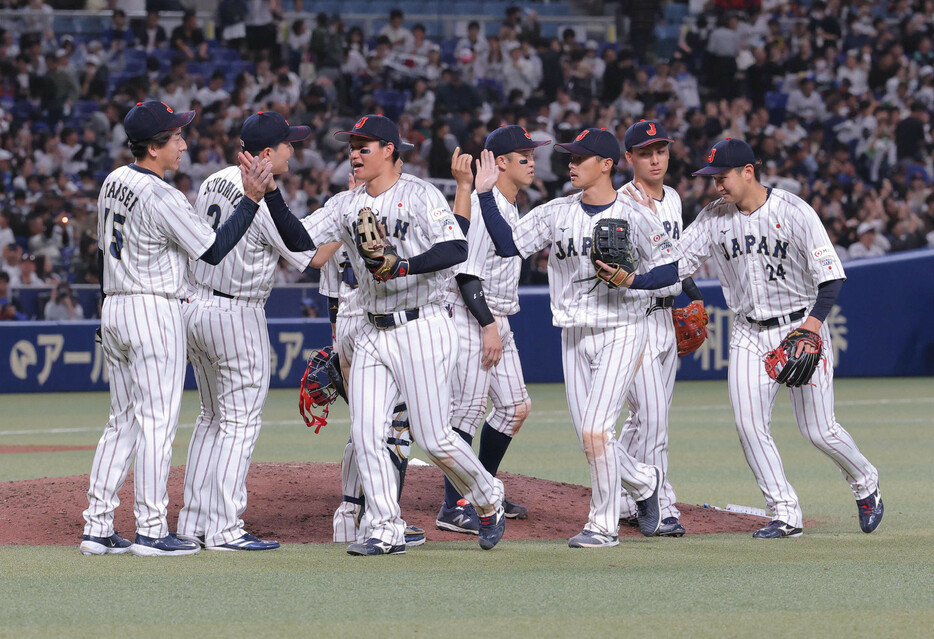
595, 443
520, 413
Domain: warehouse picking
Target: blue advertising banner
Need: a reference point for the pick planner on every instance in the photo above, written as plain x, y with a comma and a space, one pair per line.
880, 327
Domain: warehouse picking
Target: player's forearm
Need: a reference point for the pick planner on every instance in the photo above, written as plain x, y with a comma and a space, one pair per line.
100, 270
440, 256
497, 226
659, 277
690, 289
462, 201
334, 305
827, 293
294, 235
472, 292
230, 232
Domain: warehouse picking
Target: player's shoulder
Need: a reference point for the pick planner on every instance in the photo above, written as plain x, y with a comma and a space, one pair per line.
561, 202
718, 208
789, 200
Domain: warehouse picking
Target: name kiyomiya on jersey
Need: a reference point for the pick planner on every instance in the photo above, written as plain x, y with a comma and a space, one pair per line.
121, 193
779, 248
224, 188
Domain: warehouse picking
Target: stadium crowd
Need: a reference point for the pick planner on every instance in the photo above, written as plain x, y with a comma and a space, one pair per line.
835, 98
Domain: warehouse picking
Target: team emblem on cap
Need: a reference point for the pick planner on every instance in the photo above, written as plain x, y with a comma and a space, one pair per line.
168, 108
526, 133
581, 136
360, 123
713, 152
651, 129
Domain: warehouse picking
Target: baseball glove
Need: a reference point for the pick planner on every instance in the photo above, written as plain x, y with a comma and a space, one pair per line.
321, 384
378, 254
611, 246
785, 367
690, 327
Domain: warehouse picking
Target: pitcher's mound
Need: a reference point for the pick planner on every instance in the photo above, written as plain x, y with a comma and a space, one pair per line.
295, 502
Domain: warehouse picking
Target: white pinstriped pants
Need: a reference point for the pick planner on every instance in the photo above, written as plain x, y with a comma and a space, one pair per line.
504, 383
228, 346
752, 395
415, 360
645, 433
599, 366
143, 340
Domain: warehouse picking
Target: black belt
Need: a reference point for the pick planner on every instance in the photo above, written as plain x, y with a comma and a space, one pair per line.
661, 303
224, 295
383, 321
775, 321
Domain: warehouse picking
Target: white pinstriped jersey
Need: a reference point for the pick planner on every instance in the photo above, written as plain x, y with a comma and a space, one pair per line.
500, 275
668, 210
416, 217
770, 261
148, 231
246, 272
564, 227
334, 284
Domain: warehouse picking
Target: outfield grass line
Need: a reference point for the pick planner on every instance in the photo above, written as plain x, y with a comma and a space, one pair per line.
563, 414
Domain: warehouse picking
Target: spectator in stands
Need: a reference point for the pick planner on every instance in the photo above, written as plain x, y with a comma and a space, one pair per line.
9, 309
231, 23
865, 246
806, 103
28, 273
474, 41
94, 80
400, 38
63, 306
118, 35
6, 233
524, 22
912, 134
325, 44
188, 38
454, 94
422, 103
213, 97
261, 32
150, 34
518, 74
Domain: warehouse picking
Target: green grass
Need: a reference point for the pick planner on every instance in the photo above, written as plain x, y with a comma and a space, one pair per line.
832, 582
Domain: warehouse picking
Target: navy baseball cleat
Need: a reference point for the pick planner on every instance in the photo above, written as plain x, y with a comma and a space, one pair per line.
246, 541
776, 530
113, 545
649, 516
492, 528
590, 539
198, 539
870, 511
374, 546
515, 511
671, 527
414, 536
461, 518
167, 546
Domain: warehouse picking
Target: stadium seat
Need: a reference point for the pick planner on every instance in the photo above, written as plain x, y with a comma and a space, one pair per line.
392, 101
775, 103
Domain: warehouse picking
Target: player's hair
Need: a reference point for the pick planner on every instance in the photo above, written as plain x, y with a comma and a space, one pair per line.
756, 167
395, 151
140, 149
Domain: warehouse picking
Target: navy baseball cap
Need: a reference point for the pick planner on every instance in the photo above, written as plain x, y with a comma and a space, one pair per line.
149, 118
509, 138
645, 132
267, 129
727, 154
593, 141
376, 127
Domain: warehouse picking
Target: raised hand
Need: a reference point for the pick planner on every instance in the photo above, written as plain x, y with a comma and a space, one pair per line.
256, 175
638, 194
487, 172
460, 168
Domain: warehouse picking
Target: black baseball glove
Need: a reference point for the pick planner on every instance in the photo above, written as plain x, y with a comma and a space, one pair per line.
785, 367
611, 245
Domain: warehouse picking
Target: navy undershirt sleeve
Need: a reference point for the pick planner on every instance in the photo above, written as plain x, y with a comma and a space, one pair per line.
472, 292
230, 232
440, 256
827, 293
463, 222
659, 277
690, 289
293, 234
497, 226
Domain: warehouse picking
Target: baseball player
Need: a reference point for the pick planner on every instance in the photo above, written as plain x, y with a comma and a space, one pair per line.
148, 231
604, 329
407, 345
778, 271
486, 295
645, 433
228, 302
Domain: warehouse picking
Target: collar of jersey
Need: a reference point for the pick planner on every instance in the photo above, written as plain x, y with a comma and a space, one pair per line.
140, 169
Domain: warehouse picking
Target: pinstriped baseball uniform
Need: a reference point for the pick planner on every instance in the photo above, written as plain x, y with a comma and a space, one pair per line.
770, 264
602, 340
645, 433
148, 231
228, 346
415, 358
504, 383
